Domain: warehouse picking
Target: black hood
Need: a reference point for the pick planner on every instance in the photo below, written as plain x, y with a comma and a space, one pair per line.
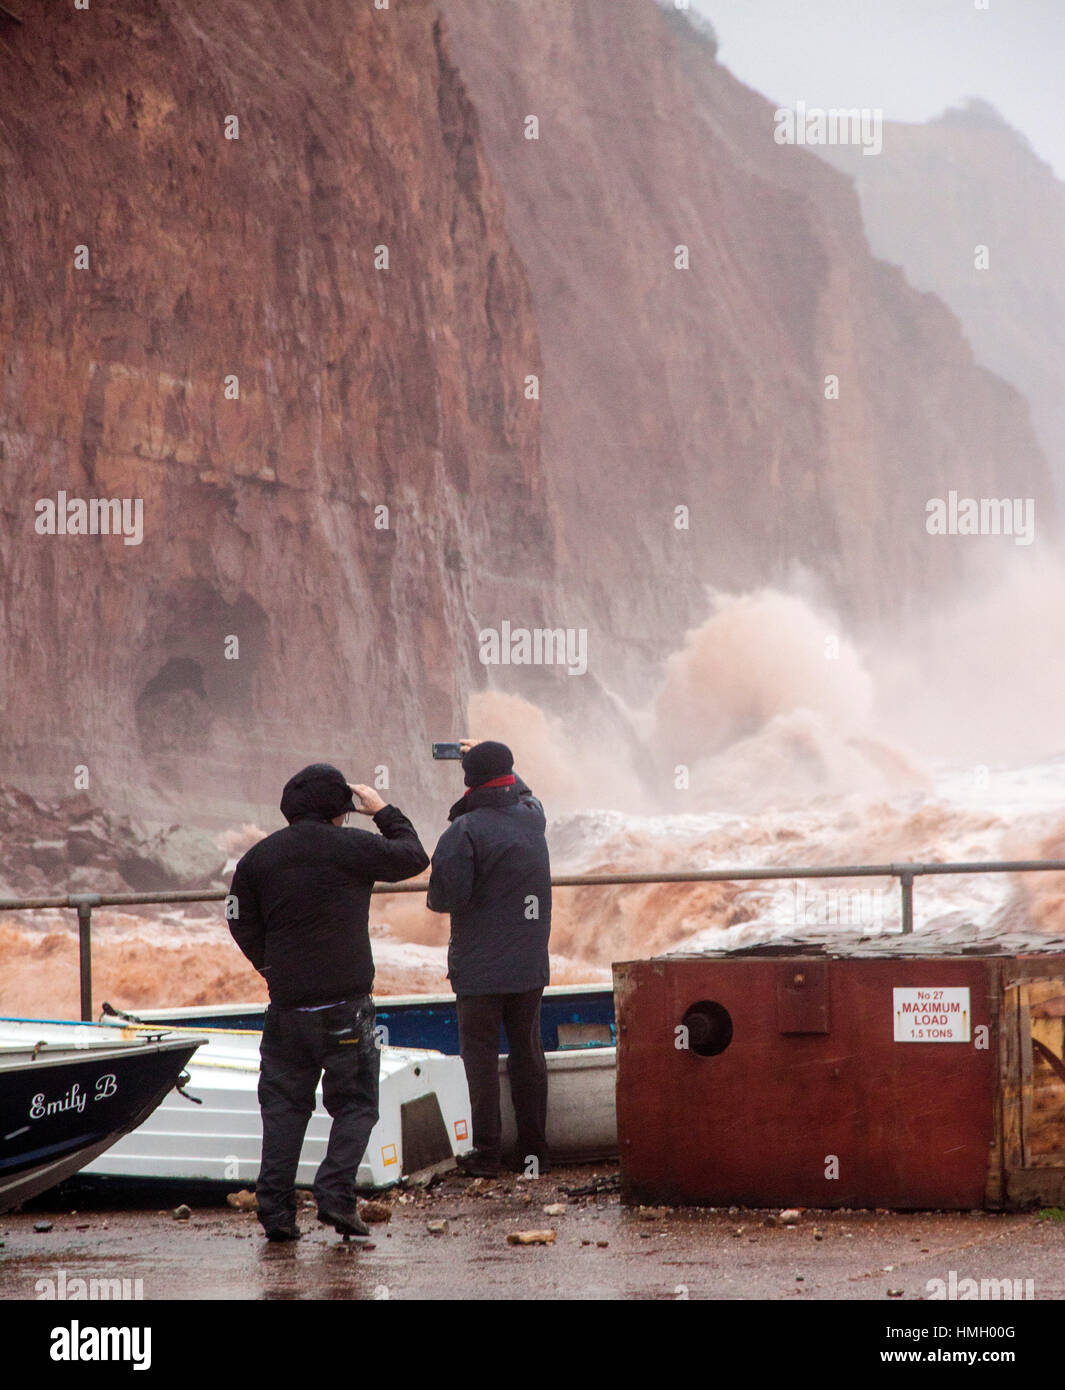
320, 792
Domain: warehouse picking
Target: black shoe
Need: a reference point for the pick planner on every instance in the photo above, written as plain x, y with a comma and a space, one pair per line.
477, 1165
351, 1225
280, 1233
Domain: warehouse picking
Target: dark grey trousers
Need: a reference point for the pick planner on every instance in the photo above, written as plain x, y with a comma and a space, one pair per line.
480, 1019
297, 1048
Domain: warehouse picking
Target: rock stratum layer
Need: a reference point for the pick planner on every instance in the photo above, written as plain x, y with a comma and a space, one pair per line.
359, 387
261, 258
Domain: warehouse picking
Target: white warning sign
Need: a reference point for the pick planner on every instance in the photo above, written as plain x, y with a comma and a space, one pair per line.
932, 1015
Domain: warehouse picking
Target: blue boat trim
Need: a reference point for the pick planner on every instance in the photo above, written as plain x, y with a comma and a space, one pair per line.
432, 1022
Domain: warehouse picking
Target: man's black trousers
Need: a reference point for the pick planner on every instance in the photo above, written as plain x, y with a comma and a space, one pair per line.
480, 1018
297, 1047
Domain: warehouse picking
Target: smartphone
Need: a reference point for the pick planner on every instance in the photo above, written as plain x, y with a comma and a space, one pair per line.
447, 750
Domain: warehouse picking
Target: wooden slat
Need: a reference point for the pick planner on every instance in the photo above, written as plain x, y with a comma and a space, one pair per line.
995, 1192
1043, 1186
10, 14
1024, 1053
1046, 1137
1009, 1083
1052, 1059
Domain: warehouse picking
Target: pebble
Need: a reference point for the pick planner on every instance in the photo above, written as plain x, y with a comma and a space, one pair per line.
181, 1213
437, 1228
602, 1244
376, 1211
555, 1209
531, 1237
653, 1213
243, 1200
41, 1227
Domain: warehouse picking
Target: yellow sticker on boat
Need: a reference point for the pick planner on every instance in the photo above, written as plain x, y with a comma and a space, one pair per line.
461, 1129
388, 1154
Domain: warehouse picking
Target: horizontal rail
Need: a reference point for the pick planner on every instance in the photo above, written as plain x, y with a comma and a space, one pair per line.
202, 895
84, 903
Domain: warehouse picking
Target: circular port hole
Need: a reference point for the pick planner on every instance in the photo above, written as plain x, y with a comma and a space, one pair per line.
709, 1028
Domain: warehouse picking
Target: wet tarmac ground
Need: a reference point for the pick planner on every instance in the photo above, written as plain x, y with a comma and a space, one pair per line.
601, 1250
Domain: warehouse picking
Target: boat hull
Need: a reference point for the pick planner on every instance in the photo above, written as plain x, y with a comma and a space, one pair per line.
423, 1109
577, 1026
582, 1118
61, 1111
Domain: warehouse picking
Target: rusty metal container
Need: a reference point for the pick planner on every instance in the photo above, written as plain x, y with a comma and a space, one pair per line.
919, 1071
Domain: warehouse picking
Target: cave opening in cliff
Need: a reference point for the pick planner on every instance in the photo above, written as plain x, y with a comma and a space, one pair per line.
173, 714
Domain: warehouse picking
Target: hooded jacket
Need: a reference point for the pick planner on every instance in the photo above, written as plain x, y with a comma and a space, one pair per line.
301, 897
492, 873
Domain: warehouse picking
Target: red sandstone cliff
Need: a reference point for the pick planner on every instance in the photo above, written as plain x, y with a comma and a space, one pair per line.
705, 386
361, 387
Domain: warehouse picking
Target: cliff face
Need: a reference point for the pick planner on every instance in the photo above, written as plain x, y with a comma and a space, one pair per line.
220, 265
265, 341
706, 387
938, 192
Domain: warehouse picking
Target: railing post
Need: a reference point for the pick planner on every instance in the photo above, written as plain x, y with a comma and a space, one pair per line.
85, 902
906, 882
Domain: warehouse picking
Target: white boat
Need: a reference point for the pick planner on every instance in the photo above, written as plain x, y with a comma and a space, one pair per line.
424, 1120
582, 1117
577, 1024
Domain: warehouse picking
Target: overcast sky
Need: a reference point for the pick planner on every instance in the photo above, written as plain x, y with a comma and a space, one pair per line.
912, 58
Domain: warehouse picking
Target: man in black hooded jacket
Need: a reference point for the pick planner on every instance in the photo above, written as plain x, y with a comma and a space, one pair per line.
299, 910
492, 873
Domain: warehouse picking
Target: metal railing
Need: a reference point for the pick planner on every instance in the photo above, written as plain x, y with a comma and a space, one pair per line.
83, 903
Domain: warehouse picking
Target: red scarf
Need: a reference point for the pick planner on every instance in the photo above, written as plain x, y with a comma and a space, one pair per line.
507, 781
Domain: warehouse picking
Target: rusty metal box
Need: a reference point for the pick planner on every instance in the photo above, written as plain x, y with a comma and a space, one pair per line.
920, 1071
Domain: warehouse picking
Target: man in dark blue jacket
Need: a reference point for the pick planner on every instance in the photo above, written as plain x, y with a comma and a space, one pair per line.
299, 910
492, 873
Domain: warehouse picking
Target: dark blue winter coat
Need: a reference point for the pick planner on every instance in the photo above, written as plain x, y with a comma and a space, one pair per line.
492, 872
